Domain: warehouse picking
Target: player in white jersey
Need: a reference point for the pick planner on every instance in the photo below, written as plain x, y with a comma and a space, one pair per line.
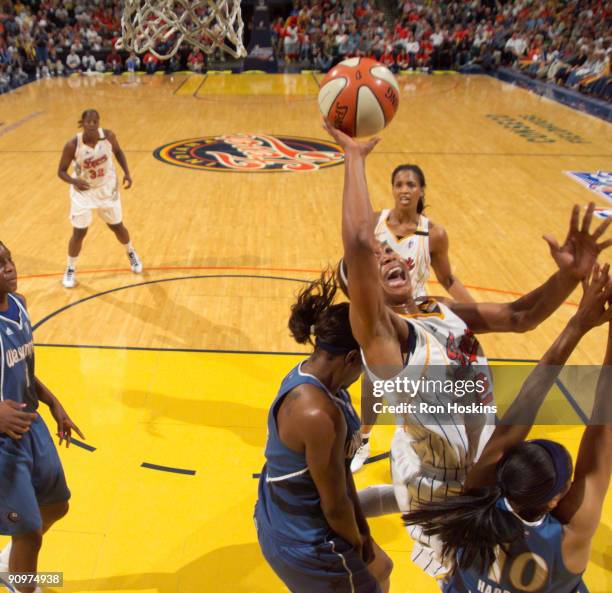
422, 244
94, 187
401, 339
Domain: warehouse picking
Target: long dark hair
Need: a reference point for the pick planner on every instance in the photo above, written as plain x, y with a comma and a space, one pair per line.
314, 315
421, 177
85, 114
474, 524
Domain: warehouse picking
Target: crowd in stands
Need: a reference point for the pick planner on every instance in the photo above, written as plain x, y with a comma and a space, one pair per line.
567, 42
41, 39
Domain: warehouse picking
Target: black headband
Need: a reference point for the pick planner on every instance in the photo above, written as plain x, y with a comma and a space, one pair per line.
332, 348
563, 471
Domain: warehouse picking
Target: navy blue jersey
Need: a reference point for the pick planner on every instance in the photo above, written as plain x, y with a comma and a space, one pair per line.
17, 351
289, 505
533, 564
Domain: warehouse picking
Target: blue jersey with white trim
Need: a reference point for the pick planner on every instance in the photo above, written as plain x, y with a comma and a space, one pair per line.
17, 352
533, 564
289, 504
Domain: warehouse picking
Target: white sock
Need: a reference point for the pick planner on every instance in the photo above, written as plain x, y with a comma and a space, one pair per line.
365, 437
129, 247
72, 262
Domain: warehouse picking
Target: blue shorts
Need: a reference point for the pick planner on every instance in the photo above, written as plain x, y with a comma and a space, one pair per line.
332, 566
31, 476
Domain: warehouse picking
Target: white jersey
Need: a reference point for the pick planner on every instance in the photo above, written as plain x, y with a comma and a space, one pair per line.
434, 448
95, 166
412, 248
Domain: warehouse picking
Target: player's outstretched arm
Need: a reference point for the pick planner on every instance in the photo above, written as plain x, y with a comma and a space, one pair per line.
581, 509
520, 416
575, 259
370, 319
121, 158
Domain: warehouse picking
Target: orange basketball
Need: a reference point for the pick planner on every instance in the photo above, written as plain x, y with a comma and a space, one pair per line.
359, 96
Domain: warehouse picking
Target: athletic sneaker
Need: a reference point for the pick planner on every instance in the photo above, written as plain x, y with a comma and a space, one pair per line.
69, 280
135, 262
4, 557
360, 458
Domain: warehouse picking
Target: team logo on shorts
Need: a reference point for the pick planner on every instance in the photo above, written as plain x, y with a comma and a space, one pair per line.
251, 153
599, 182
13, 517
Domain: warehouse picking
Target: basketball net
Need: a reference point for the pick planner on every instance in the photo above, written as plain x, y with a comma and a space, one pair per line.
207, 24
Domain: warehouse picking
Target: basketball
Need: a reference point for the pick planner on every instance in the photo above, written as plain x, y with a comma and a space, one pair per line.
359, 96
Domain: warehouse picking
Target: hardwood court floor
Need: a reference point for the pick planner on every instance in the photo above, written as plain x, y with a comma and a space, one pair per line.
149, 366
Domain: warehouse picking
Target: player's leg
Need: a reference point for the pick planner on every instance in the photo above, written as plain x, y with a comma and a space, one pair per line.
113, 217
368, 418
51, 498
52, 513
20, 517
80, 219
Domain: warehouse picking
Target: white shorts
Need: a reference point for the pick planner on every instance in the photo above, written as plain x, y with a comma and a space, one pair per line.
416, 482
81, 218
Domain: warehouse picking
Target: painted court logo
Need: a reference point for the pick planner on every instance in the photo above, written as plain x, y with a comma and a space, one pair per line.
251, 153
599, 182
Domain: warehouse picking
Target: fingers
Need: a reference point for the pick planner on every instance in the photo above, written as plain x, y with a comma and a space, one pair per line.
13, 404
588, 217
552, 243
604, 244
372, 142
13, 435
574, 219
76, 429
601, 229
60, 432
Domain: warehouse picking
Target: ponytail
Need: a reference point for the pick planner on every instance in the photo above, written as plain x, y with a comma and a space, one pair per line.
315, 316
529, 475
471, 522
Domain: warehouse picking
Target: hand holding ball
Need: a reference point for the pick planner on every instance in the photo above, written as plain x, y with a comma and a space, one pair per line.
359, 96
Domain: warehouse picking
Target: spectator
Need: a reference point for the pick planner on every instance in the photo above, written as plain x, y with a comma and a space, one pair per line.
88, 63
73, 62
322, 58
150, 62
412, 50
114, 63
195, 61
132, 64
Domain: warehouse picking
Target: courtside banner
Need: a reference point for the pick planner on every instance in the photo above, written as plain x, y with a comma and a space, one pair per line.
599, 182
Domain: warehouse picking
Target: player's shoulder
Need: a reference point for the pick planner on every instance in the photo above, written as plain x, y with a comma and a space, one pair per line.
311, 401
108, 134
21, 298
438, 237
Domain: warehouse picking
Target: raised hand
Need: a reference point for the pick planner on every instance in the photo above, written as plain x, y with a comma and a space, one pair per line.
349, 144
580, 249
595, 307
